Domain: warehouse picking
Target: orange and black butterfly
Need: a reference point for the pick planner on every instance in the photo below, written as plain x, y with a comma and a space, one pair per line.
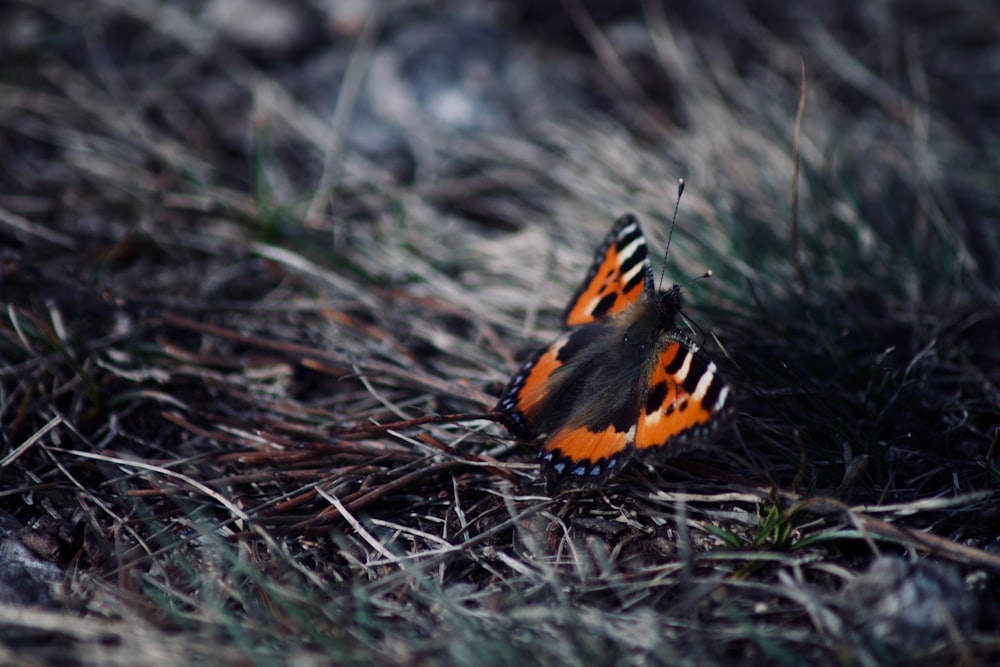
622, 379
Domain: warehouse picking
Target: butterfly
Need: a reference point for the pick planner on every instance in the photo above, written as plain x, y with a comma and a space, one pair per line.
622, 379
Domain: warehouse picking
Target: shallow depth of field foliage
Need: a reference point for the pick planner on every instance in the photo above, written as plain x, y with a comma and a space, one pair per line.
233, 232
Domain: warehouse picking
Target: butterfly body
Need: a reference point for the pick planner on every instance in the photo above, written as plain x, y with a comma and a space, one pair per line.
622, 378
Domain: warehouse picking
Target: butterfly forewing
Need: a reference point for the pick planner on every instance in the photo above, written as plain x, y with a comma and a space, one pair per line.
684, 400
617, 278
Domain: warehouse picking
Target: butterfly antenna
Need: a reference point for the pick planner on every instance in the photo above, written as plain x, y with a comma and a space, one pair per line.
673, 222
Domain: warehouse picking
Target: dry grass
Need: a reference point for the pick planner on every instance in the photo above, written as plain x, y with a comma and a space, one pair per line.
215, 267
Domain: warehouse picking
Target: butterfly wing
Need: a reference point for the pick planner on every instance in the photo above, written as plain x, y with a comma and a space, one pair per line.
570, 391
587, 454
686, 402
525, 399
617, 278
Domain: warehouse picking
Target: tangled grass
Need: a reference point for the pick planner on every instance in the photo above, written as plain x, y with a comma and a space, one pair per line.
223, 256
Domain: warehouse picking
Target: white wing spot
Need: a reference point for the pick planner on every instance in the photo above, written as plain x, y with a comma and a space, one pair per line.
722, 398
704, 382
685, 368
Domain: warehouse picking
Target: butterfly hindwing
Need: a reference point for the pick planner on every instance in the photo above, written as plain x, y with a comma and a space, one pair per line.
685, 400
581, 452
617, 278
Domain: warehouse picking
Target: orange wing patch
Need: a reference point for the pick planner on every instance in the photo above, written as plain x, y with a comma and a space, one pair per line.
527, 391
684, 402
616, 278
536, 381
583, 453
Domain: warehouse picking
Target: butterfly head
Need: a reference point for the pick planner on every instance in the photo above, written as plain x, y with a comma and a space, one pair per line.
668, 304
